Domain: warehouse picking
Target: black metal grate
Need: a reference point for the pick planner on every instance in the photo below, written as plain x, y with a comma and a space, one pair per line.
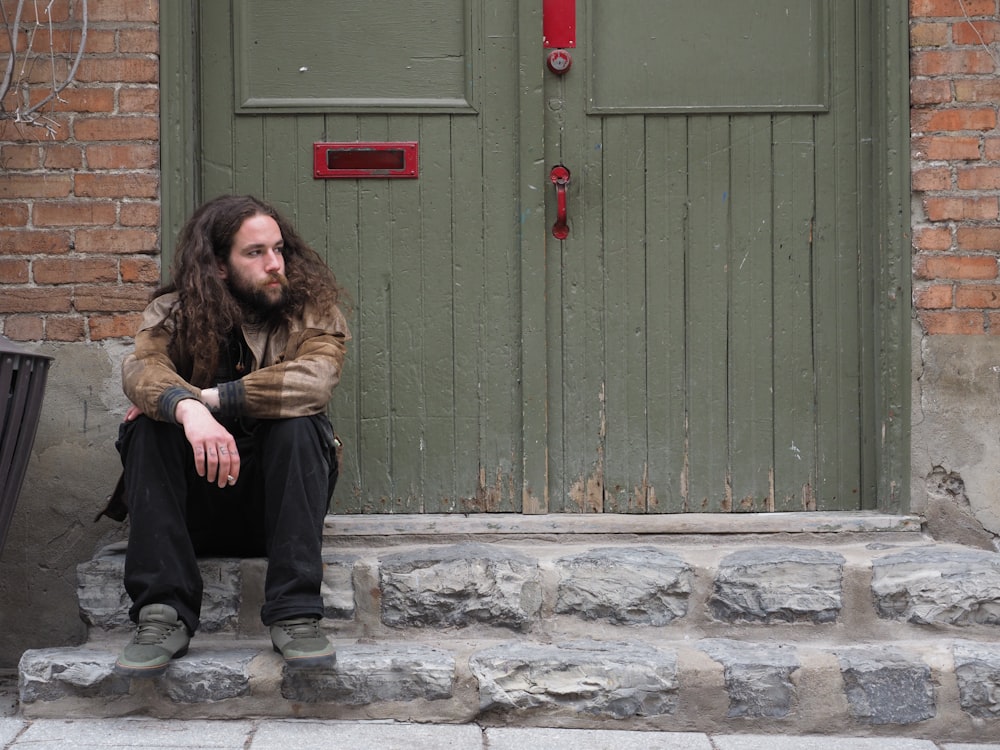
22, 387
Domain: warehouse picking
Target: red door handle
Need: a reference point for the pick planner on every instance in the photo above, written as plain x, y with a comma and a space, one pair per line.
560, 178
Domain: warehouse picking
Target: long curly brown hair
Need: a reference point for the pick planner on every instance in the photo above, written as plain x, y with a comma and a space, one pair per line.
207, 311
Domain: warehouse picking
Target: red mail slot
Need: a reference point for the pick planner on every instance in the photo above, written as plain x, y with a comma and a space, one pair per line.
353, 160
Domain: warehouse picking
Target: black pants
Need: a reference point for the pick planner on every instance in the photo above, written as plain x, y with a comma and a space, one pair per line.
288, 469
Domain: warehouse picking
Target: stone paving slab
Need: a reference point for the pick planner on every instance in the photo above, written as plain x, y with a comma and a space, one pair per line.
771, 742
281, 734
124, 734
595, 739
9, 729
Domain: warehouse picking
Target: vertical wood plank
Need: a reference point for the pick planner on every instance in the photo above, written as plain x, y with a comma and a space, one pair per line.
625, 327
666, 213
751, 333
216, 70
836, 298
708, 316
794, 361
532, 264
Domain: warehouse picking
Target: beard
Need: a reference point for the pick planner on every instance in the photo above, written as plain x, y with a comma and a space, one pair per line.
260, 300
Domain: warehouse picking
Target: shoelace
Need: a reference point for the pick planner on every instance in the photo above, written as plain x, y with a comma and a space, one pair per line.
151, 632
304, 628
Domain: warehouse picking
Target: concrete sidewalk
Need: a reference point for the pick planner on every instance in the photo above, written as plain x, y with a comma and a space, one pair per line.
285, 734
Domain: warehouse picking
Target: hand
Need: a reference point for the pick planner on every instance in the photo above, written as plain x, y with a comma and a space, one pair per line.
133, 413
215, 455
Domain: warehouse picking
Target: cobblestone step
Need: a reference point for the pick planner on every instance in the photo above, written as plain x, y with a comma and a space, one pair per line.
934, 687
858, 632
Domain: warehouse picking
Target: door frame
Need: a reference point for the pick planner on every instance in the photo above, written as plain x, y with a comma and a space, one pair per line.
887, 435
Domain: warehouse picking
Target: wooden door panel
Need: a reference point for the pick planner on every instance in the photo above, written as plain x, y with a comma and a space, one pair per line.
429, 407
708, 356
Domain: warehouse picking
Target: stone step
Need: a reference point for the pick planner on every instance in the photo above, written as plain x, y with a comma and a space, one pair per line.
935, 687
855, 624
568, 589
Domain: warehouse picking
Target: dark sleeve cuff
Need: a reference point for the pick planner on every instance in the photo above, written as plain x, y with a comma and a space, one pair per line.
169, 400
232, 397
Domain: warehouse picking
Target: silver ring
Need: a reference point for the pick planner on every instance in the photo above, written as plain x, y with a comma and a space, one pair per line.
230, 479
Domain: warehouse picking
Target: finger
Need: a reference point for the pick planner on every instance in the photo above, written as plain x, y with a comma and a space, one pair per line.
232, 470
211, 463
228, 465
200, 464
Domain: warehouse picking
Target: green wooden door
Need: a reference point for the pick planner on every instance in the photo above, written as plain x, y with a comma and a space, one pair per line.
708, 317
698, 343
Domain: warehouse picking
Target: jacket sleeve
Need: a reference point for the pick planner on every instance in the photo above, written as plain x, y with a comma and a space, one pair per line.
301, 380
149, 377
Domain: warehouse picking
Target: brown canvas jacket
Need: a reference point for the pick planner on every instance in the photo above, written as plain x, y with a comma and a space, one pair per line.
294, 371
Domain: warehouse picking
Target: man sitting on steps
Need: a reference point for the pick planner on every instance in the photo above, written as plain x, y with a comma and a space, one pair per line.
227, 448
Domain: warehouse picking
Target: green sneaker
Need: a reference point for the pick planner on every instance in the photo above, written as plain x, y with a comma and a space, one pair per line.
159, 637
302, 644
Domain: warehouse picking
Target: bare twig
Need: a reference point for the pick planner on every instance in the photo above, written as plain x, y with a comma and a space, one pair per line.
27, 112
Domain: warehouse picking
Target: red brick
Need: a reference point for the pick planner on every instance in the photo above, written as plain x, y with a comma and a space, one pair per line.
63, 328
14, 271
977, 32
123, 156
20, 156
65, 270
13, 214
922, 120
133, 11
929, 34
933, 239
938, 178
979, 178
946, 147
124, 70
956, 267
33, 242
35, 186
937, 297
117, 129
977, 90
145, 100
74, 214
99, 41
109, 298
954, 323
991, 149
925, 91
63, 157
114, 326
139, 40
128, 185
117, 241
978, 238
33, 299
951, 62
24, 327
951, 8
977, 296
57, 11
92, 99
140, 270
961, 209
139, 214
22, 132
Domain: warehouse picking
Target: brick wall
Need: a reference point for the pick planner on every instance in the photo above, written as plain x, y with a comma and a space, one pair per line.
79, 207
954, 93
